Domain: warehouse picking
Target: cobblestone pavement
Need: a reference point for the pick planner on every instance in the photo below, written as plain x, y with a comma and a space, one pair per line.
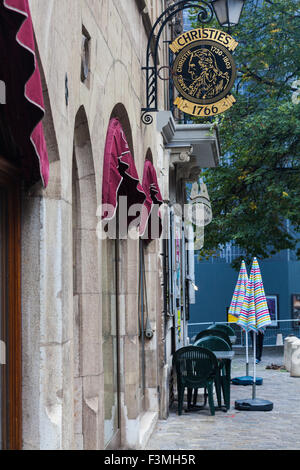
240, 430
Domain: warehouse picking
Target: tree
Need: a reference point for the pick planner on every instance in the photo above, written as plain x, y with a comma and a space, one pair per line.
256, 188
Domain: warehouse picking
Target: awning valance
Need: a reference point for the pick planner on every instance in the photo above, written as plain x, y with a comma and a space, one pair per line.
24, 109
151, 219
120, 177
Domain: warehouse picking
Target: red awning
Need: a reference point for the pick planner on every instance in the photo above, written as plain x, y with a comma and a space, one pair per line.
153, 201
24, 109
120, 177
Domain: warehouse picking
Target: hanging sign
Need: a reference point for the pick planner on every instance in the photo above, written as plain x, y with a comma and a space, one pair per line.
204, 71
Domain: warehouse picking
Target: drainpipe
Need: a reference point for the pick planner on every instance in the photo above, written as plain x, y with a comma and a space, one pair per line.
142, 314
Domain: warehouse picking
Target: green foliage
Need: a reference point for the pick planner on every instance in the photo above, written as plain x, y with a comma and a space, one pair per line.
257, 186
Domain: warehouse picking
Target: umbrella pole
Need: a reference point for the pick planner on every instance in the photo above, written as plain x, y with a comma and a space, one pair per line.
247, 354
254, 368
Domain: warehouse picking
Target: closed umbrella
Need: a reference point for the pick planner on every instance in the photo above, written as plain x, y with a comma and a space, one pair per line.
254, 315
235, 310
238, 300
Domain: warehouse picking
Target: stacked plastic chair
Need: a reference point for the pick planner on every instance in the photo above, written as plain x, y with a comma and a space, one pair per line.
213, 332
195, 368
215, 343
226, 328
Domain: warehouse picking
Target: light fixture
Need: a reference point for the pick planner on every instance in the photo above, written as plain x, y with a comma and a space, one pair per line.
188, 278
195, 287
228, 12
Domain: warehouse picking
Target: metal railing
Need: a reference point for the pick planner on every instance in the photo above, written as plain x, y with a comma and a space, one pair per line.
272, 333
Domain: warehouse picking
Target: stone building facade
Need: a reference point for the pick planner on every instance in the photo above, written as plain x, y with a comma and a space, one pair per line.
83, 386
84, 377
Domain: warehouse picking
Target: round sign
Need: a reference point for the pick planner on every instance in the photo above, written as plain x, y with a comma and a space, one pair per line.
204, 72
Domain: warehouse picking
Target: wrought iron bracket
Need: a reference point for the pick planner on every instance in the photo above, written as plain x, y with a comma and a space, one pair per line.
205, 16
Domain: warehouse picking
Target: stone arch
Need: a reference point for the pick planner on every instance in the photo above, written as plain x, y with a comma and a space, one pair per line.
53, 189
48, 124
86, 292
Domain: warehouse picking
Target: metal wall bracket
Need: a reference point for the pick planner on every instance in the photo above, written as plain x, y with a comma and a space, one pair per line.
205, 15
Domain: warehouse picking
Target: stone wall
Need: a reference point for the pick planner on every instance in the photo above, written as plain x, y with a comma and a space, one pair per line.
62, 272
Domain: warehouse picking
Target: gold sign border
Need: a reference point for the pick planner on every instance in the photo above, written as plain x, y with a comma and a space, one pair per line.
201, 34
203, 110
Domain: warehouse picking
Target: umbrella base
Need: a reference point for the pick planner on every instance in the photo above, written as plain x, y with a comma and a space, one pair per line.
253, 405
246, 380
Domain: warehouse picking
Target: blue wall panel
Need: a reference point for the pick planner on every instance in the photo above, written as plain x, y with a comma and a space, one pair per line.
216, 282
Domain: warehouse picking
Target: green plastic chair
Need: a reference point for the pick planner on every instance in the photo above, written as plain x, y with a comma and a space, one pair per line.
213, 332
216, 343
196, 368
226, 328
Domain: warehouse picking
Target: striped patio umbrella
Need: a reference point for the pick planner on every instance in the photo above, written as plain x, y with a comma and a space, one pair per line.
246, 318
262, 314
234, 312
254, 313
255, 316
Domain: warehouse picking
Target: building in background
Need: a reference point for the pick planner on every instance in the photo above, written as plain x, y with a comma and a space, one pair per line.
216, 280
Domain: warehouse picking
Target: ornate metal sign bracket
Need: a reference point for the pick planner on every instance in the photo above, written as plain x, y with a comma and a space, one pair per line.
205, 15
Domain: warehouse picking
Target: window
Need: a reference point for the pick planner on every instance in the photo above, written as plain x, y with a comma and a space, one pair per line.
85, 56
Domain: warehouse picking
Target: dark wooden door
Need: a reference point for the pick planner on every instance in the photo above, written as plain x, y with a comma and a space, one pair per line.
10, 309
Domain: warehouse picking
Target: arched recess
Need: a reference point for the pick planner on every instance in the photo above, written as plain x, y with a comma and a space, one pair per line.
120, 329
119, 112
148, 312
86, 292
144, 312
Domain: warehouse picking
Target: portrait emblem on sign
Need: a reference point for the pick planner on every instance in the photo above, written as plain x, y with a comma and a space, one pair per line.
204, 71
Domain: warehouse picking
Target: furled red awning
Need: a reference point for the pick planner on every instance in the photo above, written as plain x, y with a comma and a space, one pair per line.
151, 226
120, 177
24, 109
